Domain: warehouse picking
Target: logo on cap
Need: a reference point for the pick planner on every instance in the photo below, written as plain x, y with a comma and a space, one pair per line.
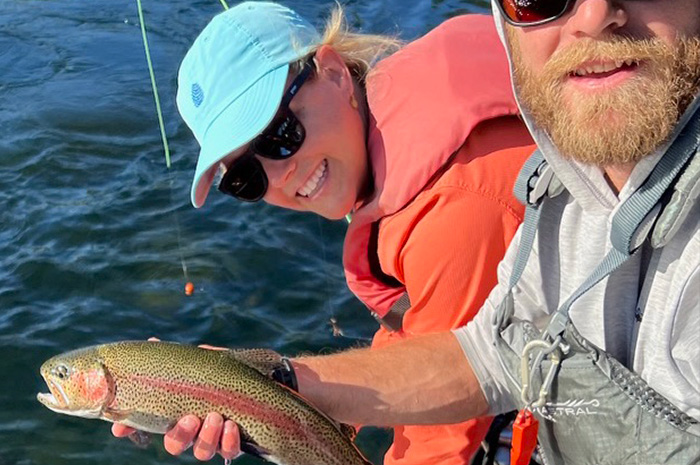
197, 95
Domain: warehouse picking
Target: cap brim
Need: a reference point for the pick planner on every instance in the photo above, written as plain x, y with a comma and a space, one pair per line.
237, 125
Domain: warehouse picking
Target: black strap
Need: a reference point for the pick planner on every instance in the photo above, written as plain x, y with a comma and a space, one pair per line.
284, 374
486, 455
393, 321
373, 259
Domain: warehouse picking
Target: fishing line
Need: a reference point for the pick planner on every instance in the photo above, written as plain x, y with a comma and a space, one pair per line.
189, 287
337, 330
332, 320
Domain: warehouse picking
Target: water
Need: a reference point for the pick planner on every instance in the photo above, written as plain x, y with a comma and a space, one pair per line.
94, 229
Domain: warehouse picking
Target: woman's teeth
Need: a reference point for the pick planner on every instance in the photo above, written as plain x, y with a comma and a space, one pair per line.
315, 180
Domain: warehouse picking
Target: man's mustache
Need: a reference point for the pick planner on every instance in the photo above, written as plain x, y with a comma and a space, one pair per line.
567, 61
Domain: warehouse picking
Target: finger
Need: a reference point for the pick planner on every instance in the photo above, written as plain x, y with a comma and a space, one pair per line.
230, 441
121, 431
207, 442
180, 437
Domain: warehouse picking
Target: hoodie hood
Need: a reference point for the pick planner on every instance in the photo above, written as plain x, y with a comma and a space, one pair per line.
586, 183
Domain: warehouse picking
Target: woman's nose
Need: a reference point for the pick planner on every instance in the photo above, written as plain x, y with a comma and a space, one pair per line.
279, 172
593, 18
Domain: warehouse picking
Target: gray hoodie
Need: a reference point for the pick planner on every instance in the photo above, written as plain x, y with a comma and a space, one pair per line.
657, 335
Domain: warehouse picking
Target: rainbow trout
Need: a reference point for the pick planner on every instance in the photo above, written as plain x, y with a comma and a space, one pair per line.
150, 385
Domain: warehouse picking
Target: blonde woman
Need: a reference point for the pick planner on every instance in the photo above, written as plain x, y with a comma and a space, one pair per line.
421, 149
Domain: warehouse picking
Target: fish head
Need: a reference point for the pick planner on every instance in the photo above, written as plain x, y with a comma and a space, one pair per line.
78, 382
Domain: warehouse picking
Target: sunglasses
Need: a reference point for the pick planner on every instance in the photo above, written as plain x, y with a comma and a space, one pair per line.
245, 179
525, 13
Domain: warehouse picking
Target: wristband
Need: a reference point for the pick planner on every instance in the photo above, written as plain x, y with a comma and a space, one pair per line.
284, 374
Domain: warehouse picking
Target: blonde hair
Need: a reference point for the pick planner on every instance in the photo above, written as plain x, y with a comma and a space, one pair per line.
359, 51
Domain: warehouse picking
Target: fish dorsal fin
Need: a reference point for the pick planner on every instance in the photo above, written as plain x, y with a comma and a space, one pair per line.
346, 430
263, 360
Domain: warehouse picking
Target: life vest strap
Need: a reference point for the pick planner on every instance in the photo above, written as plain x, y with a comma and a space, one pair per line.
393, 320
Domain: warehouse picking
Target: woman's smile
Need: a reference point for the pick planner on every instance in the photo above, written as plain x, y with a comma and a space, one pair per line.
315, 181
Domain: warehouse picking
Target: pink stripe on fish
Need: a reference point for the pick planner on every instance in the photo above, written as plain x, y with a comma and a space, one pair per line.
235, 401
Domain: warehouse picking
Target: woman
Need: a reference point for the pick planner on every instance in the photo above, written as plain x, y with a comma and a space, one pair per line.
422, 150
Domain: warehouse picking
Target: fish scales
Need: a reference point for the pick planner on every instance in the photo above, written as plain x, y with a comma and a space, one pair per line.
225, 387
152, 384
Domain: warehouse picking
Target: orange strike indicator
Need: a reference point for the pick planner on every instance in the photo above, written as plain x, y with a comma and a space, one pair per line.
189, 289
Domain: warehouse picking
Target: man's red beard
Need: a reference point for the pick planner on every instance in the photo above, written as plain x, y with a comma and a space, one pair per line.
618, 126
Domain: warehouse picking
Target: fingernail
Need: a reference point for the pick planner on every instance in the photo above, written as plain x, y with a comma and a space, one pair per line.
188, 423
228, 426
214, 419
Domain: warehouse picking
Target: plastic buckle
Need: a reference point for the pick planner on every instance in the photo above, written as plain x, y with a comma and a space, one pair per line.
542, 179
525, 429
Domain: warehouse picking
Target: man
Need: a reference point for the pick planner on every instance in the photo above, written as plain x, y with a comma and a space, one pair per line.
610, 92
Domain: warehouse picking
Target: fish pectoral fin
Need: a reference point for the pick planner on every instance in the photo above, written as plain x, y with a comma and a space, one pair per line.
250, 447
116, 415
263, 360
140, 438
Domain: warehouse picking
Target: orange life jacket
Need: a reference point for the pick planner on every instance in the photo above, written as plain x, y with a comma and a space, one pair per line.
424, 102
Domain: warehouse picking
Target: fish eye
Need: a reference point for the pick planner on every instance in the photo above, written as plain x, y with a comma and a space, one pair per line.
61, 371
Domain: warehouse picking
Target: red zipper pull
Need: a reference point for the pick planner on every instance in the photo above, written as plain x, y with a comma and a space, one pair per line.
524, 438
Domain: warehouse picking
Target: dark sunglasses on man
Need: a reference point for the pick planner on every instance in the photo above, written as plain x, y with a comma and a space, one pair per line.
245, 179
525, 13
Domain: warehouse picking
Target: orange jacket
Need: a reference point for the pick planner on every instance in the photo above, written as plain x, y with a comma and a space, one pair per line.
445, 148
445, 247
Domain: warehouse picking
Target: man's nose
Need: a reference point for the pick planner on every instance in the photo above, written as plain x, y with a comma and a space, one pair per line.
279, 172
593, 18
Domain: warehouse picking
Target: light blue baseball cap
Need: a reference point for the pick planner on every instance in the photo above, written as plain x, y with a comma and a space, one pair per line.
232, 79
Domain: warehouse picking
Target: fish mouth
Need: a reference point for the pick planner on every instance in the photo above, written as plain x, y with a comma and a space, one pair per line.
56, 399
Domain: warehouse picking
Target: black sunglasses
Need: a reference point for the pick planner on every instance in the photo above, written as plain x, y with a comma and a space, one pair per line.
245, 179
525, 13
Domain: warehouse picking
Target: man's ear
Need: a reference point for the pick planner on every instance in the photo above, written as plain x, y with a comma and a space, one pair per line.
331, 66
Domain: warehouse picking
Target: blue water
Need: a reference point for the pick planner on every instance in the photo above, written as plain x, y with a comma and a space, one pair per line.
96, 233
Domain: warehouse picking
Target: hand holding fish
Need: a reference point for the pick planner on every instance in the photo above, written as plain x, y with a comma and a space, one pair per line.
215, 435
206, 438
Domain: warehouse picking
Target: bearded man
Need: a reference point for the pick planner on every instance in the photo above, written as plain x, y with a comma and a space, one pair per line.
594, 328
